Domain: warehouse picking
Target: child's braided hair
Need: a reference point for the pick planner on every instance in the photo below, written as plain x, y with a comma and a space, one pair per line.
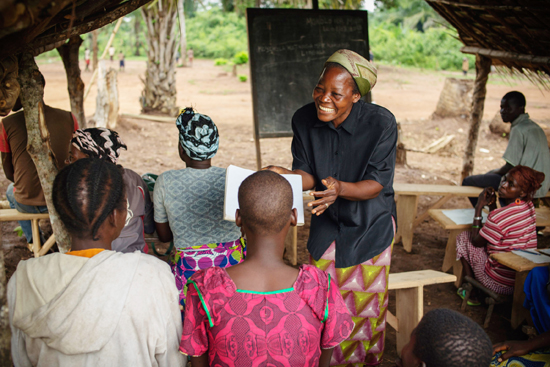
85, 193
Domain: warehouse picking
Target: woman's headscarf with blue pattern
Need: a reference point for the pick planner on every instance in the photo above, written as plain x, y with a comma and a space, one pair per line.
199, 136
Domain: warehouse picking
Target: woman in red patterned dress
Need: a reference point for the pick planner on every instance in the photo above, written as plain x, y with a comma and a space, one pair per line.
508, 228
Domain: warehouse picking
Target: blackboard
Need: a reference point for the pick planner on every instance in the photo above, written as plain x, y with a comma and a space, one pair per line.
288, 48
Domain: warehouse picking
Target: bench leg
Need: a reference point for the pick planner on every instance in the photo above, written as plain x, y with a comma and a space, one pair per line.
47, 245
450, 251
518, 312
35, 237
409, 309
291, 245
406, 213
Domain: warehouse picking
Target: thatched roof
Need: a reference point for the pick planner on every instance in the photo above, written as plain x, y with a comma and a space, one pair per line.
513, 33
41, 25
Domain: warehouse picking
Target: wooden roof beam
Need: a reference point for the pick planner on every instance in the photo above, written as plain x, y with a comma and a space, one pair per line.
504, 55
483, 7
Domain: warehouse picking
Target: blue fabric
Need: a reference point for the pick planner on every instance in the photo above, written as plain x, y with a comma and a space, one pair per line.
25, 224
537, 300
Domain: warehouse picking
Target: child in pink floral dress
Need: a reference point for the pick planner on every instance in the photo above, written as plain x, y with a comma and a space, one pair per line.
263, 312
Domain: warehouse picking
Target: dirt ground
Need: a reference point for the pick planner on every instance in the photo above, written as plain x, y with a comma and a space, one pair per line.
410, 94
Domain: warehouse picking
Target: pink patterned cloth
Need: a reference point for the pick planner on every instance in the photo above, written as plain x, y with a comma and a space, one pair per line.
285, 328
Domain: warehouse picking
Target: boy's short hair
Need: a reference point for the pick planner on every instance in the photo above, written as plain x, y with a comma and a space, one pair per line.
516, 98
447, 338
265, 201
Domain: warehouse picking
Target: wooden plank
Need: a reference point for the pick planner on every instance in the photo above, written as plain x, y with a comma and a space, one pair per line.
406, 212
392, 320
449, 260
35, 237
518, 312
543, 219
410, 309
419, 278
7, 215
436, 190
47, 245
437, 205
515, 262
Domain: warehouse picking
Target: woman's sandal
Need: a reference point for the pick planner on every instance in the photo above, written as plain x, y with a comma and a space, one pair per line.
471, 302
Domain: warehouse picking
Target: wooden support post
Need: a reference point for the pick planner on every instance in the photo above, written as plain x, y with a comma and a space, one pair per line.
519, 313
483, 68
450, 250
406, 213
38, 141
69, 55
35, 237
95, 50
410, 309
291, 245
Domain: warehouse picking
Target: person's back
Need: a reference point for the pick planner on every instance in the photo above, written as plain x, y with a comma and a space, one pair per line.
93, 306
61, 125
528, 146
262, 311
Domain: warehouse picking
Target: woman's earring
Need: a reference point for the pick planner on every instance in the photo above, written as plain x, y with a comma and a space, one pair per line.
518, 201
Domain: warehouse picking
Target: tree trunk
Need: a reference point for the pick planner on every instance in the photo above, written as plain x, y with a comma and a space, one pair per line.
183, 34
137, 32
95, 50
5, 331
38, 141
69, 55
483, 68
106, 113
159, 92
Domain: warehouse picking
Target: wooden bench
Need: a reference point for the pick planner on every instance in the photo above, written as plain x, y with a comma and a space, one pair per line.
406, 196
409, 287
8, 215
522, 266
543, 220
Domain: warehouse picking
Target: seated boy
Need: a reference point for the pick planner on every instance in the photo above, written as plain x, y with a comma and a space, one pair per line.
446, 338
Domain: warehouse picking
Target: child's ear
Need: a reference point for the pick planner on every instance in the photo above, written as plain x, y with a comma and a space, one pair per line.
294, 217
238, 219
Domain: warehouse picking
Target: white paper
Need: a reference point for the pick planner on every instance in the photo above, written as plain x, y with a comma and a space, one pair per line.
236, 175
533, 256
545, 251
463, 216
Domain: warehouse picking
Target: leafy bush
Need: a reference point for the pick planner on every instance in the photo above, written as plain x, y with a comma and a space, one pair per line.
240, 58
436, 48
214, 34
220, 61
243, 78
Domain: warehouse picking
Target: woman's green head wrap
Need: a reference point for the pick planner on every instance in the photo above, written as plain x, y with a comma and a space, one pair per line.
362, 70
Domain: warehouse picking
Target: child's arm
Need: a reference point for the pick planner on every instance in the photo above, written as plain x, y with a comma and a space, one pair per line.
202, 361
324, 360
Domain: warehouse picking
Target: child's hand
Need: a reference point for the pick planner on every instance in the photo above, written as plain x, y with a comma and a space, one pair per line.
327, 197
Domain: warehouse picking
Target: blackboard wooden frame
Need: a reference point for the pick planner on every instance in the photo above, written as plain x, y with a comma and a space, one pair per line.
324, 32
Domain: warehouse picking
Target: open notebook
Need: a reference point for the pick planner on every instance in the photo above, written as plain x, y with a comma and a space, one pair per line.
235, 175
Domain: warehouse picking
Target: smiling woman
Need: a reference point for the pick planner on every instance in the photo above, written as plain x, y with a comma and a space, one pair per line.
344, 149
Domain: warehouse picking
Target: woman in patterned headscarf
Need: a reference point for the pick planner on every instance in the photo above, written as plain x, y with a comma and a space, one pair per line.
189, 204
344, 149
102, 143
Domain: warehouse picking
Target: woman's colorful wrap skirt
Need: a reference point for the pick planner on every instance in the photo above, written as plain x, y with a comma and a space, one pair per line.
186, 262
364, 288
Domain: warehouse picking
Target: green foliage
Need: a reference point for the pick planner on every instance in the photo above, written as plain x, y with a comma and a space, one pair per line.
240, 58
18, 231
436, 48
214, 34
220, 61
243, 78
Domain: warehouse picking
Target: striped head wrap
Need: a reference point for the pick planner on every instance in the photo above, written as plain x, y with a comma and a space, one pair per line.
199, 136
362, 70
99, 142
